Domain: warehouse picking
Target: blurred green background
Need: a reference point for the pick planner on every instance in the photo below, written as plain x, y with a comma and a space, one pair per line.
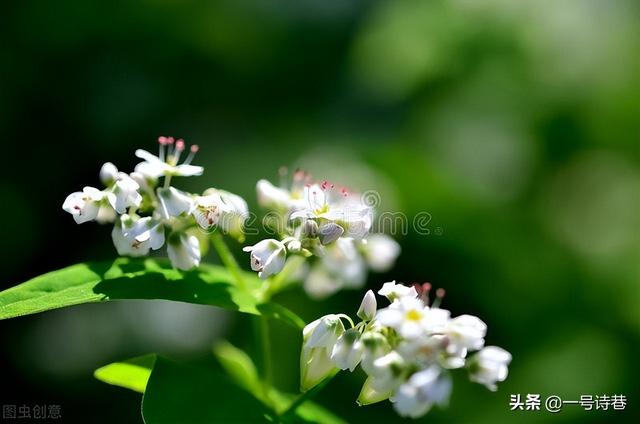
514, 124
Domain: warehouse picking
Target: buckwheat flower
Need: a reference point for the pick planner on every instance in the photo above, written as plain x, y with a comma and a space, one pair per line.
184, 251
355, 219
267, 257
380, 251
339, 266
467, 331
387, 372
166, 163
318, 339
375, 345
208, 210
489, 366
393, 291
423, 389
368, 307
108, 174
234, 214
174, 202
136, 236
85, 205
408, 316
126, 193
275, 198
324, 332
347, 351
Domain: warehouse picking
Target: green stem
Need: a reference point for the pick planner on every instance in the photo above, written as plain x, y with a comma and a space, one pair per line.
266, 354
306, 396
227, 259
279, 281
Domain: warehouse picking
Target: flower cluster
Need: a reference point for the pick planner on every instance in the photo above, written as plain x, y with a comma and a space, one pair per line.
148, 214
316, 219
406, 349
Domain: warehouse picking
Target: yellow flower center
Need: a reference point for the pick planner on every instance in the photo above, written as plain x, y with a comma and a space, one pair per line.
323, 209
414, 315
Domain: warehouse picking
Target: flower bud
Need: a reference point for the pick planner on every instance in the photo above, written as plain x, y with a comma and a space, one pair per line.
369, 395
294, 246
267, 257
319, 337
347, 351
323, 332
367, 310
108, 174
330, 232
315, 366
310, 228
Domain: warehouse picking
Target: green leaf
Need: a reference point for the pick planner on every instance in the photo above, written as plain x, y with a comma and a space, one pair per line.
176, 392
281, 313
131, 374
126, 278
239, 366
242, 369
197, 393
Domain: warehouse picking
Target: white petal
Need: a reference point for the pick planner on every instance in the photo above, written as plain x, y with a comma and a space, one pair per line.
184, 252
188, 170
108, 173
174, 202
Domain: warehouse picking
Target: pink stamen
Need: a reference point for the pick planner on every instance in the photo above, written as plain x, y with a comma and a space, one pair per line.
180, 145
162, 140
192, 152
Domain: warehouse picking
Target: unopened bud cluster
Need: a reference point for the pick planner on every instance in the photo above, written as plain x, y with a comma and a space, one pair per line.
407, 350
148, 212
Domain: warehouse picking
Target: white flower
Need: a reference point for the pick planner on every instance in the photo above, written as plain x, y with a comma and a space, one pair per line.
339, 266
156, 166
424, 389
108, 174
354, 218
276, 198
323, 332
348, 349
174, 202
408, 316
319, 337
380, 251
184, 251
267, 257
467, 331
368, 307
85, 205
393, 291
489, 366
134, 237
234, 214
387, 372
208, 210
126, 193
